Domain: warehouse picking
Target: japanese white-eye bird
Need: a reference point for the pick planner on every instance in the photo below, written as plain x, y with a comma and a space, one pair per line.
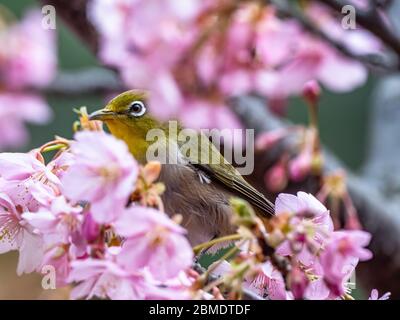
198, 191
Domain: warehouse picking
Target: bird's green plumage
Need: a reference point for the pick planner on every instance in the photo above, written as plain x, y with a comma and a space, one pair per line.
134, 130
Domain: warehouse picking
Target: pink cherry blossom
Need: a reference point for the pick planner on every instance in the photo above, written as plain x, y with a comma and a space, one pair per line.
269, 283
16, 234
342, 253
316, 288
61, 163
60, 226
302, 204
59, 258
153, 241
58, 223
104, 173
27, 181
351, 243
22, 166
104, 279
310, 226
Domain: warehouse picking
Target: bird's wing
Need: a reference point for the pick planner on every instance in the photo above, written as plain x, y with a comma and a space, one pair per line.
234, 182
220, 170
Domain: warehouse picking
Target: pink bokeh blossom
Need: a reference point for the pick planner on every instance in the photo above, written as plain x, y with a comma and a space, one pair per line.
27, 54
255, 52
16, 109
27, 61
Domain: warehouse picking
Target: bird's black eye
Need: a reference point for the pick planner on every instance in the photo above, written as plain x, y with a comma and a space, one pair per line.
137, 109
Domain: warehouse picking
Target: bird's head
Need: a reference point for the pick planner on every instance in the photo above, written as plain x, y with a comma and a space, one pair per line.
127, 118
129, 108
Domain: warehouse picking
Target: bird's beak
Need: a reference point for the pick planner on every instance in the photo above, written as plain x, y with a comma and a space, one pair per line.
102, 115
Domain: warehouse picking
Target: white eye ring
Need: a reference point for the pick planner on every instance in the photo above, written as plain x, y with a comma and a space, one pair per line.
137, 108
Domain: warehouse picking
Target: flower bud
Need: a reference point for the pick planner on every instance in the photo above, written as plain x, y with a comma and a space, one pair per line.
311, 92
300, 166
151, 171
244, 214
276, 178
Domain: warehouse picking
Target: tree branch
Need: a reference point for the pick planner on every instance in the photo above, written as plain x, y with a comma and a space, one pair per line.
384, 152
82, 82
372, 21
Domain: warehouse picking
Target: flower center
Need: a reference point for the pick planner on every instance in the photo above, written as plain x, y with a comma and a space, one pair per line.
158, 236
110, 172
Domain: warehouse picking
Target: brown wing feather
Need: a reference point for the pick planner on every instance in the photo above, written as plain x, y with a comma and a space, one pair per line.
234, 182
224, 173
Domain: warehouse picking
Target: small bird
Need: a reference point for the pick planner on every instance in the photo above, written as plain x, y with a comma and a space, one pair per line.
198, 191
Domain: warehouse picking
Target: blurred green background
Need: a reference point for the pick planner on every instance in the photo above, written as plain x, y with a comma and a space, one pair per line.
343, 121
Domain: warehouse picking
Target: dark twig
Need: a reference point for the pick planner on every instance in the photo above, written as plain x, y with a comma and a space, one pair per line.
90, 80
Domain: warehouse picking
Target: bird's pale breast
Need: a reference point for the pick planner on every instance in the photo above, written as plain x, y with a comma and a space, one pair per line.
204, 206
